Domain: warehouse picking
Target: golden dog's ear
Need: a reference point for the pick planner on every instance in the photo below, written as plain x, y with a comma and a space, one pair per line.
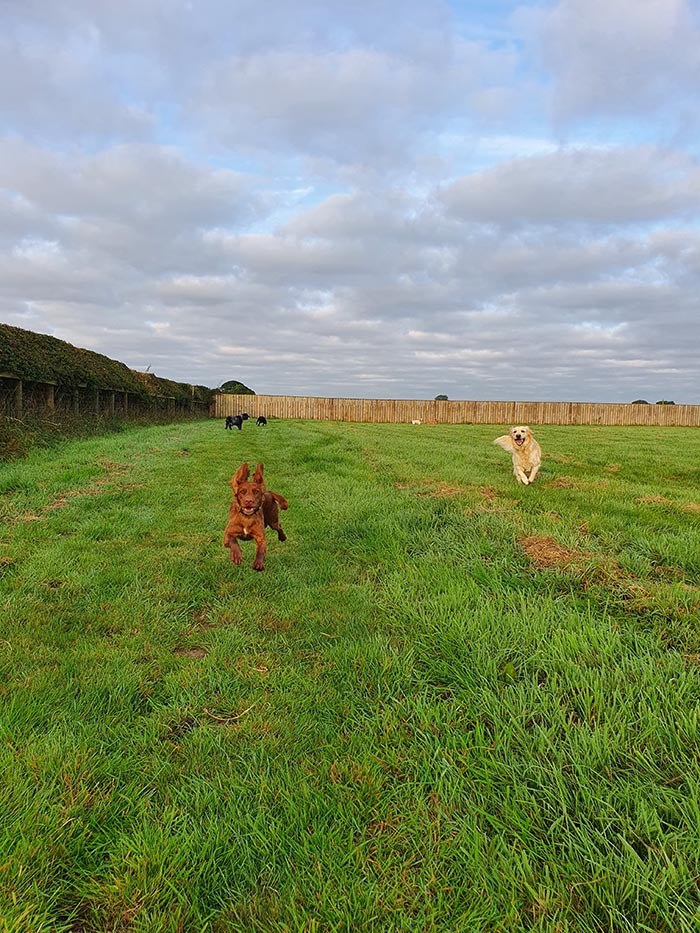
258, 475
240, 476
505, 441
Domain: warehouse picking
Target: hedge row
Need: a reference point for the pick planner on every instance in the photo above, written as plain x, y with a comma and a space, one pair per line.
42, 358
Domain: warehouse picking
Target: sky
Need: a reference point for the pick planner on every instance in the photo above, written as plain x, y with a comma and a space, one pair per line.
376, 198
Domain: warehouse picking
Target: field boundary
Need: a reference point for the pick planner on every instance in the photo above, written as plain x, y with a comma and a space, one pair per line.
402, 411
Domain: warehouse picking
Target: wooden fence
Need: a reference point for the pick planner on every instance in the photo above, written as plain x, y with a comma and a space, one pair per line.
397, 411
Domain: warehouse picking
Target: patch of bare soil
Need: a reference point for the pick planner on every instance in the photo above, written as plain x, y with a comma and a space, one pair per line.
196, 651
447, 491
112, 466
564, 482
272, 623
488, 492
544, 551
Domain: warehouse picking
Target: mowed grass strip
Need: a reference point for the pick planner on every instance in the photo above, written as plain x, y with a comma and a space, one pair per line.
449, 702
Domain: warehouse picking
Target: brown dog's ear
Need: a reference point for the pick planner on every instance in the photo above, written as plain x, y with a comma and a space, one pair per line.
258, 475
240, 476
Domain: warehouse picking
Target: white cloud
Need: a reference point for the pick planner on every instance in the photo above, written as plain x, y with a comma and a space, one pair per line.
357, 199
619, 57
613, 186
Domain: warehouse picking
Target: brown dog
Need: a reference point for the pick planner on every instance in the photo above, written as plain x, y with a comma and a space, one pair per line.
252, 510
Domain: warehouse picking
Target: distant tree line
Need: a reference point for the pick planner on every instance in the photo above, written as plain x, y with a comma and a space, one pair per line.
643, 401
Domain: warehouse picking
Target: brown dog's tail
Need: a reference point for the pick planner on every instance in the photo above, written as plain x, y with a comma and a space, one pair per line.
280, 500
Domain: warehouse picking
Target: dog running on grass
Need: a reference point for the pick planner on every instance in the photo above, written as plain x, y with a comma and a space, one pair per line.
253, 508
262, 421
527, 453
236, 421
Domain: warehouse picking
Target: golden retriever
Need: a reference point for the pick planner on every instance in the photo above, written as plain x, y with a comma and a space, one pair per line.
527, 453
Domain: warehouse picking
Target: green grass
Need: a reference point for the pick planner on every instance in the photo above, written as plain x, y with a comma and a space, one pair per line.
420, 717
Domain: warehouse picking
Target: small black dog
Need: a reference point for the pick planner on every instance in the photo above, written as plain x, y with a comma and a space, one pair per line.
261, 421
234, 421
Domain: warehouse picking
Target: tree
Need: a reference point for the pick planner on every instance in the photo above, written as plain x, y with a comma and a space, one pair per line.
665, 402
441, 398
639, 401
233, 387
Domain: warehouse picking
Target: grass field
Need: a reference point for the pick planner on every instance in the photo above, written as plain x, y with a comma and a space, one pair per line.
450, 703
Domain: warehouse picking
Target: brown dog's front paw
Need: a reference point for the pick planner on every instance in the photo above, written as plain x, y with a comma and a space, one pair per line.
258, 565
236, 556
281, 535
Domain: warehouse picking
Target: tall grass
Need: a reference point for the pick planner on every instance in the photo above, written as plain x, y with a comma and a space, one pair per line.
40, 428
449, 703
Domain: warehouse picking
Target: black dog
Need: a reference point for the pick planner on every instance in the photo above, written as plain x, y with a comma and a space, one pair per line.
234, 421
261, 421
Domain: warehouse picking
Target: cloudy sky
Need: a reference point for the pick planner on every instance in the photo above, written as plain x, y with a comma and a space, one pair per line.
376, 198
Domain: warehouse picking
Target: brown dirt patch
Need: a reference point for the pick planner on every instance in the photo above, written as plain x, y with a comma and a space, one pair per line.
196, 651
446, 491
112, 466
488, 492
691, 506
564, 482
428, 487
544, 551
271, 623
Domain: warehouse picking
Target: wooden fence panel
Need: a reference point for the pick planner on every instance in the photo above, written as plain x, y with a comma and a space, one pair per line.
403, 411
